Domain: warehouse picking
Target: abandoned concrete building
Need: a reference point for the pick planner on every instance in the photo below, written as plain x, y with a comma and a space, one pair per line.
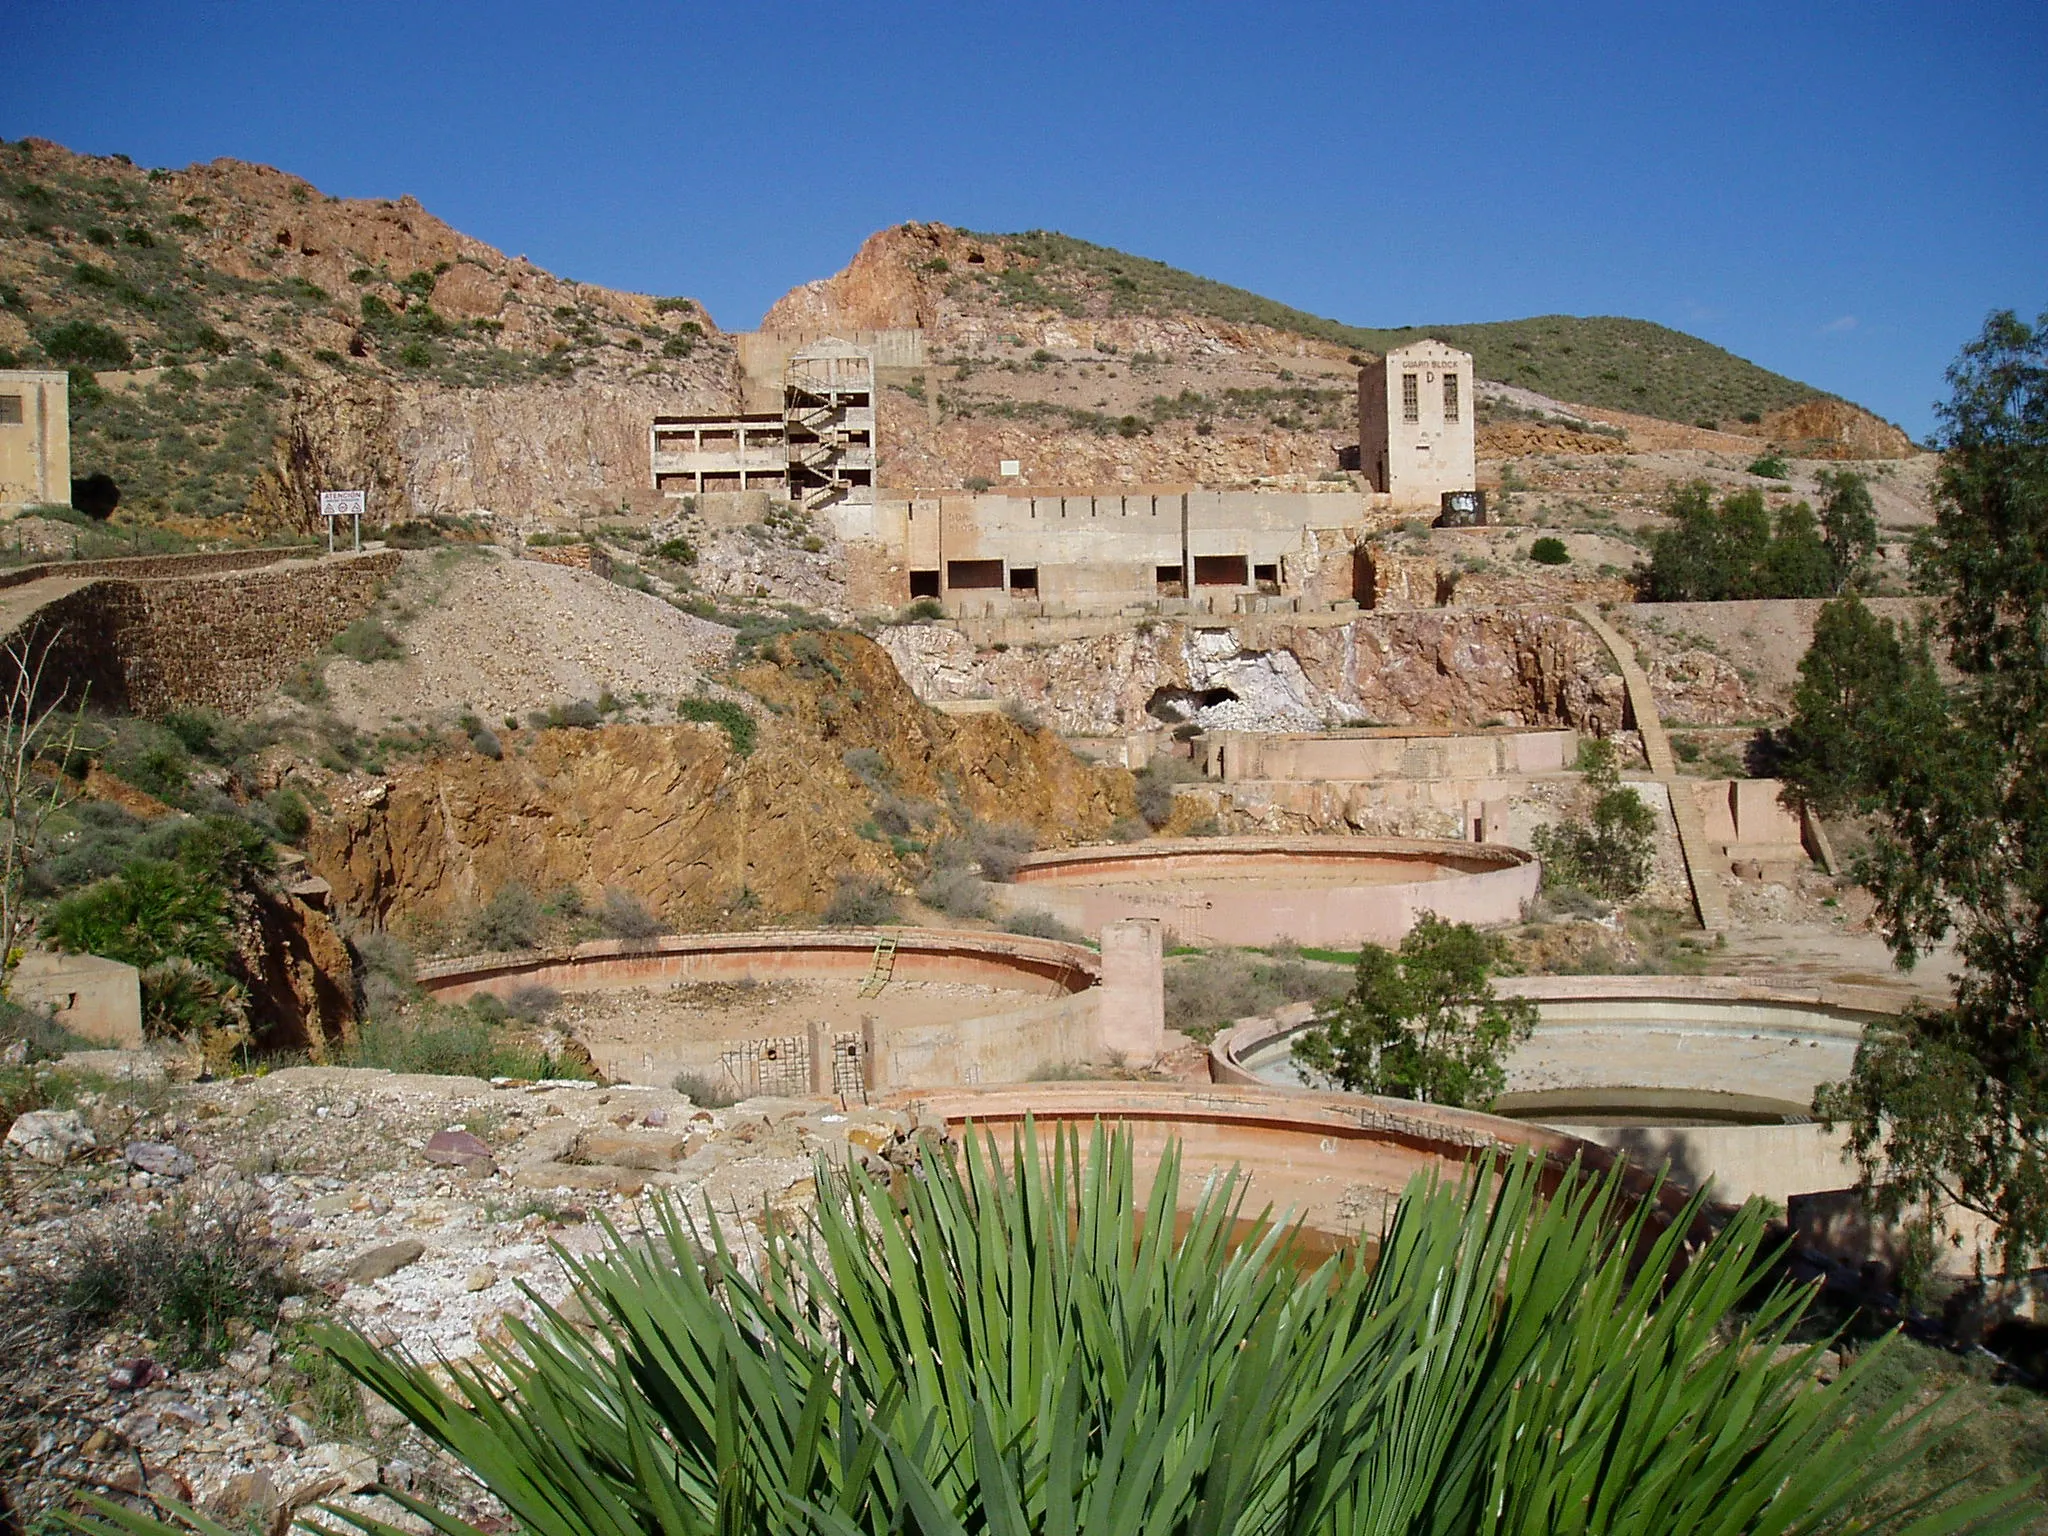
35, 439
1051, 552
1415, 437
817, 450
1171, 548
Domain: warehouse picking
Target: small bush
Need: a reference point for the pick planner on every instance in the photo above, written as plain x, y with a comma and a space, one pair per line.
532, 1004
184, 1275
1548, 551
1155, 787
1770, 466
1206, 992
1128, 829
998, 850
869, 766
1017, 712
1610, 852
677, 551
290, 814
739, 726
388, 972
366, 641
85, 344
625, 916
1043, 925
955, 891
702, 1091
486, 742
860, 901
511, 919
451, 1042
923, 611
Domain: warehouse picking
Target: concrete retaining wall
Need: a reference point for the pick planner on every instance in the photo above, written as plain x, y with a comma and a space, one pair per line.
1385, 754
1336, 1162
1459, 882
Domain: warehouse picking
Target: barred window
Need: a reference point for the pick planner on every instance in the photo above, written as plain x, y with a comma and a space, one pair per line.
10, 410
1411, 398
1450, 397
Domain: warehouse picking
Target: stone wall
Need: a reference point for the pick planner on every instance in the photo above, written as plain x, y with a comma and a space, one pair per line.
217, 641
148, 567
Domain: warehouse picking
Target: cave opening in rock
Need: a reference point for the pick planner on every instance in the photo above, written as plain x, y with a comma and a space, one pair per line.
1178, 704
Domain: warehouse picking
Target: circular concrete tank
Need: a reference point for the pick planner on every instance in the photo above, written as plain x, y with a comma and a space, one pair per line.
1334, 1162
896, 1008
1323, 892
1714, 1075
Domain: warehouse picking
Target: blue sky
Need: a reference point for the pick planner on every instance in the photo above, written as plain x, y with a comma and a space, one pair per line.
1840, 192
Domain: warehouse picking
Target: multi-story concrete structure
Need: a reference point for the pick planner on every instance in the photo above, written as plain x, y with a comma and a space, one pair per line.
1415, 437
818, 450
35, 439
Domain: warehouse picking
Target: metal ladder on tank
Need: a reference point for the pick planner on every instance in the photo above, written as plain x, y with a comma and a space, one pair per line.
881, 969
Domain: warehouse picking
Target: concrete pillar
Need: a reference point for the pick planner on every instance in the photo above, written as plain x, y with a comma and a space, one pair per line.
1133, 1002
874, 1054
821, 1058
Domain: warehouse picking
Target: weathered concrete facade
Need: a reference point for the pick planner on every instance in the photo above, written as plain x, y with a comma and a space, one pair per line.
35, 438
1156, 548
1415, 424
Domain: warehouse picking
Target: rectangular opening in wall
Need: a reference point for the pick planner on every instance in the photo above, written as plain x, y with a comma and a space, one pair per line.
1411, 398
974, 575
1266, 577
1171, 580
1024, 581
1220, 571
924, 583
10, 411
1450, 397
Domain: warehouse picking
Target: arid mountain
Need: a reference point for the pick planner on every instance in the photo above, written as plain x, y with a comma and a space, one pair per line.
240, 339
1092, 366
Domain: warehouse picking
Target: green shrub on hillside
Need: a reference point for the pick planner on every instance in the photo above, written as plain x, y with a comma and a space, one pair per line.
739, 726
1549, 551
1731, 551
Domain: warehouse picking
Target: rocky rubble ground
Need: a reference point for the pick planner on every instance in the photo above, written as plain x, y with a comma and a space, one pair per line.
426, 1212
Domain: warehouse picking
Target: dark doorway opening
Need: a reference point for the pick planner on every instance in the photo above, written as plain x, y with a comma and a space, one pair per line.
974, 575
1024, 581
924, 583
1220, 571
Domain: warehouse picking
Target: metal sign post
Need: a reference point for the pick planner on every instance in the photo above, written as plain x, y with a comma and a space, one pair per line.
335, 504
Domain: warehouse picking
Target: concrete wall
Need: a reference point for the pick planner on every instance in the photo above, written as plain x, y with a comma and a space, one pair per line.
1415, 462
216, 641
1458, 882
1385, 754
1097, 550
1042, 967
90, 996
994, 1048
1133, 991
1336, 1163
35, 450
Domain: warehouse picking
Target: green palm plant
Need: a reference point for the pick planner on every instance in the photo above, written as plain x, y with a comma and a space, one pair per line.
1034, 1347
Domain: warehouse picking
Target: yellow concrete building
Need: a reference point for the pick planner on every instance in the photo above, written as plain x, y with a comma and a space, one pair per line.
1415, 439
35, 439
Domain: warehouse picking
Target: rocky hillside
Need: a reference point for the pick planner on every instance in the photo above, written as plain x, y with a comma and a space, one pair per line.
239, 339
851, 777
1090, 365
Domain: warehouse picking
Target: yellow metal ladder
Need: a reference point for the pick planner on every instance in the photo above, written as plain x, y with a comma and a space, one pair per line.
881, 969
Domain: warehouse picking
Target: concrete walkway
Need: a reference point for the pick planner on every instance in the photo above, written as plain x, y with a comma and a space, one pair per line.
1709, 901
20, 604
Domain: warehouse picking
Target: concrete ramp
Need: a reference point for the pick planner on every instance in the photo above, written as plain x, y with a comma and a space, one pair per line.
1709, 901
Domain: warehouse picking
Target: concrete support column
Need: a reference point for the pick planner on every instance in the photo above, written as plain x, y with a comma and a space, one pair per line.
1133, 1003
820, 1043
874, 1054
